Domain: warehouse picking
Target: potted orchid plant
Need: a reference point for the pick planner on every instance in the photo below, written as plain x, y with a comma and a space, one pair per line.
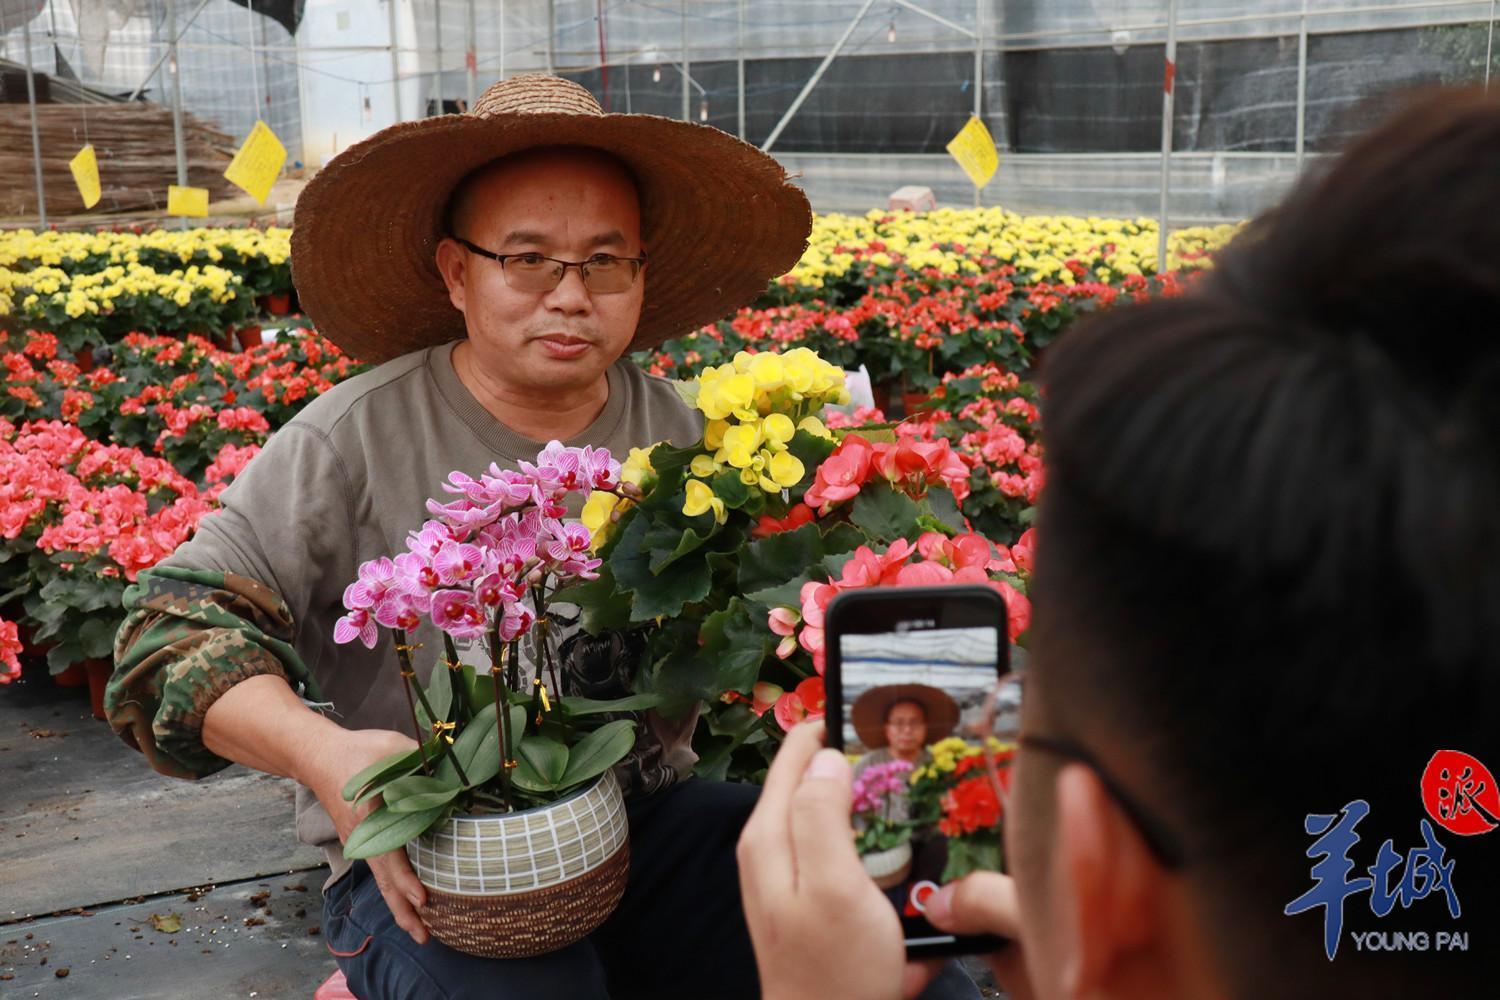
883, 831
510, 794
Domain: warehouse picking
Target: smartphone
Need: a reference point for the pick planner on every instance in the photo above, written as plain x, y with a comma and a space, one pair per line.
908, 672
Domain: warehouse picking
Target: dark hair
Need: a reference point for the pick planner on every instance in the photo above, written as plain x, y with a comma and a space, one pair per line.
1268, 564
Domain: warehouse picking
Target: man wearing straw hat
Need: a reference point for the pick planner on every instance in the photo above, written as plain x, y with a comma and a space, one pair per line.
498, 264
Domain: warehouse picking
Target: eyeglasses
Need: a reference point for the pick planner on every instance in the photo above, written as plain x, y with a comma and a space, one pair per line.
906, 724
603, 274
1159, 840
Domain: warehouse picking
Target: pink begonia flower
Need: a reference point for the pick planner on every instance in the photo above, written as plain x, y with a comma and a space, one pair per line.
458, 613
784, 620
841, 474
763, 696
805, 702
815, 597
1017, 606
457, 563
356, 624
924, 574
1021, 552
866, 569
10, 648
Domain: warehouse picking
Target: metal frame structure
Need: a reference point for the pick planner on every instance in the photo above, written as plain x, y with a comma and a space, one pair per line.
991, 39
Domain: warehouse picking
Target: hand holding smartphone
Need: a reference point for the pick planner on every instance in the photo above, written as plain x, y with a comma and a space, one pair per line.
909, 672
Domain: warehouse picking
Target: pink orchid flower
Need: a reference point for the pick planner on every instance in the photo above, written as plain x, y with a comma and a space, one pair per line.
457, 562
458, 613
357, 624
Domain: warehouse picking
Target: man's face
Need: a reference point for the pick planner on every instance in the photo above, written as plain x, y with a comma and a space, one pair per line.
906, 728
571, 205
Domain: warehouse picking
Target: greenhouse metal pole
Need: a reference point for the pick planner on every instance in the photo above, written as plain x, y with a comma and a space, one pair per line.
390, 6
437, 10
1169, 86
978, 71
740, 69
471, 62
551, 35
687, 104
254, 74
817, 75
36, 137
1301, 87
167, 51
176, 70
1489, 48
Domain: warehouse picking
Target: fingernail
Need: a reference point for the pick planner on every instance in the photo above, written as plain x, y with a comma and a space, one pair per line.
940, 906
827, 764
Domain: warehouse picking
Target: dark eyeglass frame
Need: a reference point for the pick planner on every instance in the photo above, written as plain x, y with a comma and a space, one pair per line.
1159, 840
582, 265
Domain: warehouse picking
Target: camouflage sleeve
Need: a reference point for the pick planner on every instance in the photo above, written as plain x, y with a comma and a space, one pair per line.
190, 635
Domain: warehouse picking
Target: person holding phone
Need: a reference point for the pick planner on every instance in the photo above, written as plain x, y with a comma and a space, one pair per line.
1266, 630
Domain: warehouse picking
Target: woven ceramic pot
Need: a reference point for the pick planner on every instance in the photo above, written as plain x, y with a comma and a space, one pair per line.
526, 883
889, 867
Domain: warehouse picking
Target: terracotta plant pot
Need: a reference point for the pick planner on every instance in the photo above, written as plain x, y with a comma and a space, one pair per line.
84, 358
911, 402
889, 868
72, 676
249, 336
279, 303
881, 391
526, 883
99, 672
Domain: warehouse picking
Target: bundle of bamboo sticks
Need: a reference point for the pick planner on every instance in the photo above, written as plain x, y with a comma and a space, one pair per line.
134, 146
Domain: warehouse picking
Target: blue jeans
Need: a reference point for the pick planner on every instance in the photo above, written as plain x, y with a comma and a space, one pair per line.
678, 932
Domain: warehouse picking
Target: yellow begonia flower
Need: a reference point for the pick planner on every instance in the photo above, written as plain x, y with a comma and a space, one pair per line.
637, 466
786, 470
778, 429
701, 500
727, 395
596, 515
768, 371
704, 466
713, 434
740, 444
815, 427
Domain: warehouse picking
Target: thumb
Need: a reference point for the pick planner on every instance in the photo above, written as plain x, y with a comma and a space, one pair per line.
980, 903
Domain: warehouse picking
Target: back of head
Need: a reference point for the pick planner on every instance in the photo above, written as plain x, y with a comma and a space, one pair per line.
1269, 555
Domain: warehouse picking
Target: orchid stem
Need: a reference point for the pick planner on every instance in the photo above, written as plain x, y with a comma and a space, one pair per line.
456, 671
502, 709
403, 650
404, 660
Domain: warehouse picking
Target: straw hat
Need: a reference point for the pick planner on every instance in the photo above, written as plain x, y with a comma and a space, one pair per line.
718, 217
870, 708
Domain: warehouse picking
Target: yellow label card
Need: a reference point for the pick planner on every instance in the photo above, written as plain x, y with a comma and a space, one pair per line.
187, 201
85, 167
257, 163
975, 152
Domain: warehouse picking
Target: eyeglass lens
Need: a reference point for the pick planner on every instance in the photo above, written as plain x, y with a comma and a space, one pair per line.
535, 273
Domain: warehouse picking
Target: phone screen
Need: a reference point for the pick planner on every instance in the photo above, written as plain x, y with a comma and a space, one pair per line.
911, 678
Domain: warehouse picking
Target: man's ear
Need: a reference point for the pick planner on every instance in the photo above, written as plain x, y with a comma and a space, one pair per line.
452, 264
1111, 891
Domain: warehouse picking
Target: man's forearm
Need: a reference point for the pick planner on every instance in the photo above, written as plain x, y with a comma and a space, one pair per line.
261, 723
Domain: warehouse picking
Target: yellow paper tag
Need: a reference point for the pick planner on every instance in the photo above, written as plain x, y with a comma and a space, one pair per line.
85, 167
975, 152
187, 201
257, 163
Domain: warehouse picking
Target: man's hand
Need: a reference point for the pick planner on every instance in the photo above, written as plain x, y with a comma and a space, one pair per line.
341, 755
260, 723
820, 926
981, 903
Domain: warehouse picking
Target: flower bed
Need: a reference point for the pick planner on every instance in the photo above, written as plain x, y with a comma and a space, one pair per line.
112, 454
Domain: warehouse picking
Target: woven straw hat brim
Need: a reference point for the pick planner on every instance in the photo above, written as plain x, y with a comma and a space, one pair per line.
868, 714
719, 220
